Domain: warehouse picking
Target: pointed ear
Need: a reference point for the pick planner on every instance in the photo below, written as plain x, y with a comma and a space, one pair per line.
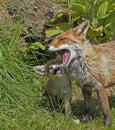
39, 69
82, 28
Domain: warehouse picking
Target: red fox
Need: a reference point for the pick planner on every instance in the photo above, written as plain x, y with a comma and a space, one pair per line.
92, 66
58, 85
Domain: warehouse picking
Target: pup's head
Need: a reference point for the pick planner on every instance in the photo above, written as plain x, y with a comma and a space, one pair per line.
52, 67
55, 70
69, 41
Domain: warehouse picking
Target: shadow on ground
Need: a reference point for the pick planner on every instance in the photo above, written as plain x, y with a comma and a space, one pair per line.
96, 111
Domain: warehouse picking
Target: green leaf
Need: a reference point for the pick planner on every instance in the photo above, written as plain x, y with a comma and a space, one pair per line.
36, 45
74, 20
112, 6
58, 16
94, 32
79, 7
53, 32
102, 10
111, 17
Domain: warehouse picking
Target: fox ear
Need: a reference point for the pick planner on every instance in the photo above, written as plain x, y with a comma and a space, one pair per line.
39, 69
82, 28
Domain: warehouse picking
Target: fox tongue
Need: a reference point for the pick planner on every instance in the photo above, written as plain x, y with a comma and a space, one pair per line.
58, 73
65, 58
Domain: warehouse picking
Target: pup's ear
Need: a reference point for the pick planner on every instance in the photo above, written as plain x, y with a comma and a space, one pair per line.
39, 69
82, 28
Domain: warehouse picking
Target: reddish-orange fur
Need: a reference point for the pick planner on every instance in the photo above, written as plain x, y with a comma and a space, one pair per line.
99, 61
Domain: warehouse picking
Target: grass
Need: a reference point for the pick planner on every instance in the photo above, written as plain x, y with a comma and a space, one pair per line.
21, 95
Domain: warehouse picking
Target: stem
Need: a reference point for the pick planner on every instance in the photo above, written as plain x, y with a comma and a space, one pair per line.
69, 11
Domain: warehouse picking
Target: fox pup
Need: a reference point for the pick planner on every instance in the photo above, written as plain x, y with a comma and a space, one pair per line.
92, 66
58, 84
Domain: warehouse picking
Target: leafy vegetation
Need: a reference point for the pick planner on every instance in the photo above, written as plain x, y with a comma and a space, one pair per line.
21, 90
99, 12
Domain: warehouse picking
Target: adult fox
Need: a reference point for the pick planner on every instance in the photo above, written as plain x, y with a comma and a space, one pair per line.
92, 66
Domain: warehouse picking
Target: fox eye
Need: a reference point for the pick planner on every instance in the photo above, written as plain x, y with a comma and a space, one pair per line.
51, 67
61, 39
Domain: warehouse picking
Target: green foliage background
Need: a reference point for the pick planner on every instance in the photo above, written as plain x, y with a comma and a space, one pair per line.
21, 90
101, 14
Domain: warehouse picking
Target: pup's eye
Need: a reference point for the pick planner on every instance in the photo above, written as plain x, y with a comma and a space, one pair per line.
51, 67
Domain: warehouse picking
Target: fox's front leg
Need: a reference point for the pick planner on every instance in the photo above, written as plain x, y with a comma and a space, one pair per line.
87, 99
68, 108
105, 105
52, 101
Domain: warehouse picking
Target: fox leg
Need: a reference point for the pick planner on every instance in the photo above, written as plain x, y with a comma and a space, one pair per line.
87, 100
105, 105
68, 108
52, 101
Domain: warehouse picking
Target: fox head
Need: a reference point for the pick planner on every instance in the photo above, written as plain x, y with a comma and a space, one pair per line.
52, 67
69, 41
52, 70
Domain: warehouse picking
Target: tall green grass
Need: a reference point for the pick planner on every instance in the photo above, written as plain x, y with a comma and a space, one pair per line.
18, 92
21, 93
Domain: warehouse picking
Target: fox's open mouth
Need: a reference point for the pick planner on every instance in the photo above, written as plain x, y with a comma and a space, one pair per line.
65, 56
57, 71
